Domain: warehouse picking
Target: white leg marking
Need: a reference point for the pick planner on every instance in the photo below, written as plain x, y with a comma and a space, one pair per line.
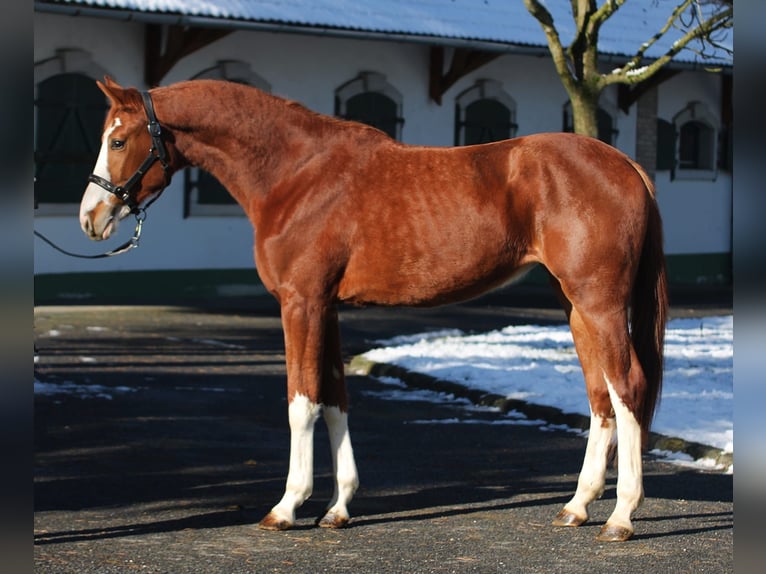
630, 490
346, 477
302, 413
590, 484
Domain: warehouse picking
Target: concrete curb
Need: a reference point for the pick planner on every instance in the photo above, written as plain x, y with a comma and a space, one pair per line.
362, 366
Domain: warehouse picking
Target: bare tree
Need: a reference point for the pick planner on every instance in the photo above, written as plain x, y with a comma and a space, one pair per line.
700, 22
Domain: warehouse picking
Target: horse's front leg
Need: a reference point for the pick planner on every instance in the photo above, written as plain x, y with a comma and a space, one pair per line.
335, 401
304, 327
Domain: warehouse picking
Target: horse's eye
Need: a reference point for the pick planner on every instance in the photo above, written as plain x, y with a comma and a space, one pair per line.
118, 144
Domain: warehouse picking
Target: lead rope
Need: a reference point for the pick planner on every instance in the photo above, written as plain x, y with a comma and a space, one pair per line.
127, 246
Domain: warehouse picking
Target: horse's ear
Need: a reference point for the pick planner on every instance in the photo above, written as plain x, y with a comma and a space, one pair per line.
110, 82
112, 89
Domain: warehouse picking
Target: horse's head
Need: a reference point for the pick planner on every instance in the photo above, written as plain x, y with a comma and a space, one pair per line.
124, 176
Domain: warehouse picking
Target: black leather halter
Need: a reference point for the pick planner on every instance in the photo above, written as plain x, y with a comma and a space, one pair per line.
157, 152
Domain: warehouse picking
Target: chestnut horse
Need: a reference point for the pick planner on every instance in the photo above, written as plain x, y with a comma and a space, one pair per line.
343, 213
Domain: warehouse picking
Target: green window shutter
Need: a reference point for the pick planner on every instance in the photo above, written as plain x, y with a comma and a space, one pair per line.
725, 149
666, 145
605, 126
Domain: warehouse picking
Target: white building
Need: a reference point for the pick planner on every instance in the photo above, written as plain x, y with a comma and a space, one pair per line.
436, 69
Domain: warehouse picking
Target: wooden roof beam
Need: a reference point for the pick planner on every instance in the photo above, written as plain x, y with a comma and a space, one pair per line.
165, 45
464, 61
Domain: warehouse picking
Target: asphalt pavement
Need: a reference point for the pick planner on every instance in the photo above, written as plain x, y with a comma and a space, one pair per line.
174, 443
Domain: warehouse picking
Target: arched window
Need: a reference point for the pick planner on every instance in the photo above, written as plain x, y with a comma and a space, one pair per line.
203, 193
695, 146
484, 113
69, 120
697, 141
370, 99
606, 125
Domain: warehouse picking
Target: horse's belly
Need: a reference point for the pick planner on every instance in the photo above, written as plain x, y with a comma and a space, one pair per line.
425, 285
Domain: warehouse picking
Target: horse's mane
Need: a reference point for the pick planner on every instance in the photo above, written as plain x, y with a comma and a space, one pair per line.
334, 120
260, 98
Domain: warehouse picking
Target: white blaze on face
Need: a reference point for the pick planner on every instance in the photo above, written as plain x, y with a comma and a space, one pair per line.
95, 194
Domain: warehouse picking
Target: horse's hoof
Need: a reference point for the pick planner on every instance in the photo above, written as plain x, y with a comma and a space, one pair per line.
566, 518
331, 520
273, 522
614, 533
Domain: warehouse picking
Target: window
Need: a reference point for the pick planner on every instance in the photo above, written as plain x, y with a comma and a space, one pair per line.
203, 193
484, 113
69, 120
697, 143
695, 146
370, 99
607, 131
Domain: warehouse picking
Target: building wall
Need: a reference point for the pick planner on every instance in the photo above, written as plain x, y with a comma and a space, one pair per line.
697, 212
309, 69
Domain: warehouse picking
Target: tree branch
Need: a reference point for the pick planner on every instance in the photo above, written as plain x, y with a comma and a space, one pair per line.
542, 15
629, 74
648, 44
588, 28
581, 52
602, 14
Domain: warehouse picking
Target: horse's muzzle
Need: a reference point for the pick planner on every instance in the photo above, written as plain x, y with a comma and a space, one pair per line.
101, 221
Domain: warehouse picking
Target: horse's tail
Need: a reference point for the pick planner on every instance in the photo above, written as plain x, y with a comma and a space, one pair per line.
649, 302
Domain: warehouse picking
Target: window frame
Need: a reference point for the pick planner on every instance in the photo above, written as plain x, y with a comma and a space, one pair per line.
233, 71
370, 82
64, 61
698, 113
483, 89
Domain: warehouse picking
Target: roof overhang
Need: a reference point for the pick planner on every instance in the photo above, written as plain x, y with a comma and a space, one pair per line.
86, 9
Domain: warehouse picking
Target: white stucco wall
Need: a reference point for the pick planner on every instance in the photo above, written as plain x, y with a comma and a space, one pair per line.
309, 69
696, 212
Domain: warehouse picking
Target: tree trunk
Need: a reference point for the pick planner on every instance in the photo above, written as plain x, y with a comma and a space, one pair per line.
584, 112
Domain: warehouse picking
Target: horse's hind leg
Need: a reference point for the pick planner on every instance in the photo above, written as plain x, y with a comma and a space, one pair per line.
630, 492
614, 381
592, 478
335, 403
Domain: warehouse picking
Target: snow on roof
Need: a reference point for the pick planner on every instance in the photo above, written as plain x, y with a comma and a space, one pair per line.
505, 22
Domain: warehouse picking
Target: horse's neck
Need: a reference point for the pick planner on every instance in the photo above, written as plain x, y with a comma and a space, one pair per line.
247, 144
